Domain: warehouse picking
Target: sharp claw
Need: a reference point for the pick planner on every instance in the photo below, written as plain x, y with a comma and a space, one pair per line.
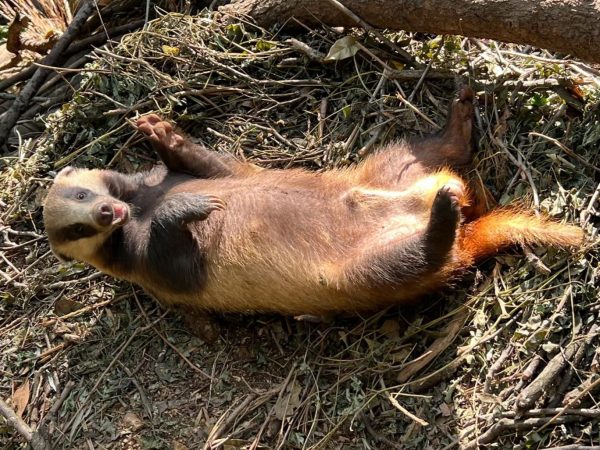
216, 202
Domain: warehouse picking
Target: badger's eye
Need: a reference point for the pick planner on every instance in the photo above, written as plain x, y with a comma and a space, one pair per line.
81, 195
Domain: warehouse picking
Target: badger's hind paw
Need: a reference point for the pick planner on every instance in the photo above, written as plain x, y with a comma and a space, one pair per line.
455, 190
446, 205
445, 215
462, 106
159, 132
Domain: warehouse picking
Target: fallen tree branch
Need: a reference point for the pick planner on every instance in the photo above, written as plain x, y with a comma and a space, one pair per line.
568, 26
592, 413
503, 425
589, 386
495, 368
35, 439
359, 21
10, 117
574, 447
548, 376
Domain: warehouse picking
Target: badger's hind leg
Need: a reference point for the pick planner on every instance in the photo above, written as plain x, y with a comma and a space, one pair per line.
180, 154
453, 145
443, 223
403, 163
392, 263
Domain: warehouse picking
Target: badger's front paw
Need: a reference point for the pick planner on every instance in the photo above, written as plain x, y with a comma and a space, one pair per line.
159, 132
185, 207
212, 202
445, 210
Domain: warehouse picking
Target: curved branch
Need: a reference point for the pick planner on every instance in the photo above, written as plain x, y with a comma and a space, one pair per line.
567, 26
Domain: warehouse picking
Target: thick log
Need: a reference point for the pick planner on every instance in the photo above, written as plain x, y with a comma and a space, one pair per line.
567, 26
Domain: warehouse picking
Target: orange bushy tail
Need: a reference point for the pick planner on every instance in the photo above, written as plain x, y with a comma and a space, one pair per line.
491, 233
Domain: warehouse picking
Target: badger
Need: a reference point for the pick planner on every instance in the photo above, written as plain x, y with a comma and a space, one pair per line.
207, 231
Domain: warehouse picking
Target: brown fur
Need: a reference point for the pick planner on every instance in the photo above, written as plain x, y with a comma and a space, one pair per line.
213, 233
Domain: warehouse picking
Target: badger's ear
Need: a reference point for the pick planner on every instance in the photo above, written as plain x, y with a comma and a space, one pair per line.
65, 172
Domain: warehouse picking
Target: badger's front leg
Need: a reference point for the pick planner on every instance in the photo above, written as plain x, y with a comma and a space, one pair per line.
174, 256
182, 208
180, 154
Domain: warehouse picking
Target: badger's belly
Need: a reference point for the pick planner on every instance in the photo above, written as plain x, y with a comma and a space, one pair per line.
244, 294
278, 253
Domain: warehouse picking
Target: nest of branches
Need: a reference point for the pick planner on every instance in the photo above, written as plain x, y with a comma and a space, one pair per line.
507, 357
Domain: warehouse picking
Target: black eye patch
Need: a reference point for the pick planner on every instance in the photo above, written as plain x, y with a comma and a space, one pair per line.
79, 194
74, 232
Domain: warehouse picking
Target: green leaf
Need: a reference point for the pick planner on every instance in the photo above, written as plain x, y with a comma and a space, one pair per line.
263, 46
235, 31
347, 111
538, 100
3, 33
342, 48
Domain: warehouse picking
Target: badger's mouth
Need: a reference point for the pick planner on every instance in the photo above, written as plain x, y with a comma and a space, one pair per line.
111, 214
120, 214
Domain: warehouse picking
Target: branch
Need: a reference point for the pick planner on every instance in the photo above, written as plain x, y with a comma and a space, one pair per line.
548, 376
506, 425
35, 439
568, 26
10, 117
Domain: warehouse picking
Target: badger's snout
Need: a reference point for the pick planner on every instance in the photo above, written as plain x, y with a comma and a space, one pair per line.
107, 214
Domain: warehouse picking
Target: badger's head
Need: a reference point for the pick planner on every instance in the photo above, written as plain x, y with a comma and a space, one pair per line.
80, 213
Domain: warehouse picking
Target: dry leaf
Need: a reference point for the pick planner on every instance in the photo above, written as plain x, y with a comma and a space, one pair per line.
176, 445
170, 51
446, 410
286, 405
342, 48
20, 398
132, 422
64, 306
438, 346
390, 328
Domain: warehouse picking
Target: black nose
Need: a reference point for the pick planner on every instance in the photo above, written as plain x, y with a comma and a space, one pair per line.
104, 214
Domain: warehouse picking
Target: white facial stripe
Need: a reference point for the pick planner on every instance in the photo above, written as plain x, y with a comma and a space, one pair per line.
62, 209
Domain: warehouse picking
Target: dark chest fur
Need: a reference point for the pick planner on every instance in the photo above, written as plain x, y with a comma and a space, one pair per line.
157, 255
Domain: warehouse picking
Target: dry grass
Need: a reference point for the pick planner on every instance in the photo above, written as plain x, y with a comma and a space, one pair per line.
131, 376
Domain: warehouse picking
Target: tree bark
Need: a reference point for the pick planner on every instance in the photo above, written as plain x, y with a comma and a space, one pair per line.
567, 26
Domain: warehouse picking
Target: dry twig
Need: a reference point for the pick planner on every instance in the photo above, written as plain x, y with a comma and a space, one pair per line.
10, 117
